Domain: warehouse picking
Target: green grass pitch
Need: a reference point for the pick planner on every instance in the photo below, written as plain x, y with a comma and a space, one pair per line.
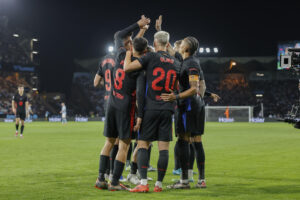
243, 161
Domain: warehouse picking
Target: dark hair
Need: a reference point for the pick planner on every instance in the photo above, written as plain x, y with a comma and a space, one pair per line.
193, 44
140, 44
20, 85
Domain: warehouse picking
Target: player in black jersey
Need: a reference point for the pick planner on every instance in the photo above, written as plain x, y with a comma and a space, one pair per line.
188, 105
120, 110
19, 107
103, 77
161, 75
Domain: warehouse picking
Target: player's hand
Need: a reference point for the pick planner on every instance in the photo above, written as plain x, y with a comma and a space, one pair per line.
170, 49
137, 124
146, 27
143, 21
158, 23
215, 97
168, 96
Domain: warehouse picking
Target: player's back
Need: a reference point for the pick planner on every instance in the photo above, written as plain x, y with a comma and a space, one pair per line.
161, 75
124, 84
105, 70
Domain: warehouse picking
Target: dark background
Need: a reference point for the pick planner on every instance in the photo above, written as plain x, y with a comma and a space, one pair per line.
84, 29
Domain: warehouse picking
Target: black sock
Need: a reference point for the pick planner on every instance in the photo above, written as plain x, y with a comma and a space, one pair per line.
17, 127
162, 164
102, 166
113, 155
129, 152
200, 156
22, 129
118, 170
192, 156
142, 161
108, 167
183, 147
134, 167
149, 154
176, 157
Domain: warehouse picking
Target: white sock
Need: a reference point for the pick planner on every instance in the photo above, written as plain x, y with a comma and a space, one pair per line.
159, 184
144, 182
190, 173
184, 181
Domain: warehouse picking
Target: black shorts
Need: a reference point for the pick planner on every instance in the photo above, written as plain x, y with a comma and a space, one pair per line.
156, 126
191, 121
118, 124
21, 115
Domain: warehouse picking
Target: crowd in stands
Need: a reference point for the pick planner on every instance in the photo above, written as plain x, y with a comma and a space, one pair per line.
277, 96
9, 82
95, 95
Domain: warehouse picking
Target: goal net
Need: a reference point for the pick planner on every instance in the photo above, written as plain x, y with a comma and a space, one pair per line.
229, 113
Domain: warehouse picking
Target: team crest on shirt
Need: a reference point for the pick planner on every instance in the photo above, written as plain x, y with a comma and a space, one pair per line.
21, 103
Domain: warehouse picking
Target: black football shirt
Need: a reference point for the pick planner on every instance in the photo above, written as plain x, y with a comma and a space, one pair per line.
20, 102
161, 75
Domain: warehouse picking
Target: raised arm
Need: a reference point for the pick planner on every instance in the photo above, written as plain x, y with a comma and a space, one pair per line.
120, 35
142, 31
130, 66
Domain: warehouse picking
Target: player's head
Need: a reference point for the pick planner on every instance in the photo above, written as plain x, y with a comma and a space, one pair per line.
161, 39
20, 89
177, 45
140, 45
189, 45
62, 103
126, 40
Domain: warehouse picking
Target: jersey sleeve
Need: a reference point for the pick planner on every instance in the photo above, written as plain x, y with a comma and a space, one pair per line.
14, 98
141, 90
144, 60
26, 98
178, 57
100, 72
119, 36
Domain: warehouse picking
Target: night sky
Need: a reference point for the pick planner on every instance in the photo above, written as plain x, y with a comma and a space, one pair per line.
84, 29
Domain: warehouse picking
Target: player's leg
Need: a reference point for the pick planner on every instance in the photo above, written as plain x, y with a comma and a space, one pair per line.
199, 150
191, 159
162, 164
177, 169
111, 134
17, 125
132, 176
125, 128
200, 157
148, 133
142, 161
164, 138
113, 155
22, 127
119, 164
129, 157
104, 159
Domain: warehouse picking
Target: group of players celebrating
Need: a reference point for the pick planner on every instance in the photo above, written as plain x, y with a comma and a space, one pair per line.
145, 88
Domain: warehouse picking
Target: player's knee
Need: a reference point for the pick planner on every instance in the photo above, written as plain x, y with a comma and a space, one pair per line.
197, 138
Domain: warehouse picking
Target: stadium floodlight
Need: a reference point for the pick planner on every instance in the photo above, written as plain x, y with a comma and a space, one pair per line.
35, 52
34, 89
216, 50
259, 95
34, 39
233, 63
207, 50
16, 35
201, 49
110, 49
